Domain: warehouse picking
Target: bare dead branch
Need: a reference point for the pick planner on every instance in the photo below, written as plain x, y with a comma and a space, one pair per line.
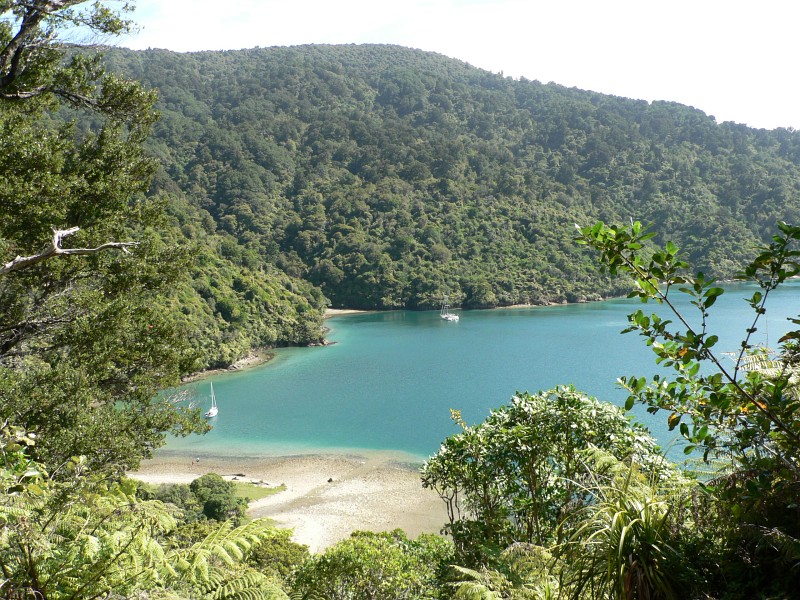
55, 249
32, 93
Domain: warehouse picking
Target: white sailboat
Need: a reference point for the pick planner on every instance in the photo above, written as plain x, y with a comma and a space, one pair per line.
445, 312
212, 412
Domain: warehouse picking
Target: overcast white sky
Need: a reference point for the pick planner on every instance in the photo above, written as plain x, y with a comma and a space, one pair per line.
732, 59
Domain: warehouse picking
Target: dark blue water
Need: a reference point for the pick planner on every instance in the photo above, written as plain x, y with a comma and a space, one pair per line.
390, 379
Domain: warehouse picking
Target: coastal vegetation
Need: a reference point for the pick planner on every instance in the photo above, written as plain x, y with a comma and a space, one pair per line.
376, 177
519, 475
387, 177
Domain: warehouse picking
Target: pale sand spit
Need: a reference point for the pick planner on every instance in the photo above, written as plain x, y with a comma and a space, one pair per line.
335, 312
327, 496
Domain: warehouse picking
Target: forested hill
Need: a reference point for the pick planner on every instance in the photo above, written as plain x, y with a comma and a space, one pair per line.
387, 176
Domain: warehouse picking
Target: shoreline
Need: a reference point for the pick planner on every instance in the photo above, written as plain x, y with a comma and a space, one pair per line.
327, 496
254, 358
335, 312
261, 356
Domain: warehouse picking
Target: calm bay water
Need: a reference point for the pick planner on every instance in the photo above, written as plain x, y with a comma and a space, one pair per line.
391, 378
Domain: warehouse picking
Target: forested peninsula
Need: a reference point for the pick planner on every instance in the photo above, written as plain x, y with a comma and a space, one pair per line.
381, 177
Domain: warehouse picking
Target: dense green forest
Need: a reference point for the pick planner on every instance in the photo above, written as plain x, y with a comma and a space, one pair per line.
380, 177
387, 176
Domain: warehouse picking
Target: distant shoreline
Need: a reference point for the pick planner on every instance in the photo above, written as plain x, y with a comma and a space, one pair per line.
335, 312
260, 356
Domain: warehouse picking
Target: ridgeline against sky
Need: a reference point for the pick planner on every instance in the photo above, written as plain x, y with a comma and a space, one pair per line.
385, 176
730, 59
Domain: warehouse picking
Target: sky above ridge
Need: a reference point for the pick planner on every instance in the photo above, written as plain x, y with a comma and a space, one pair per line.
732, 59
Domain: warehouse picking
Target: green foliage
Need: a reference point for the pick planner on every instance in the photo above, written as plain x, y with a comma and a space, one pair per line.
375, 566
84, 344
233, 308
207, 497
86, 539
387, 176
628, 542
277, 556
92, 544
182, 497
218, 498
518, 475
521, 572
635, 537
744, 416
31, 66
210, 568
18, 472
189, 532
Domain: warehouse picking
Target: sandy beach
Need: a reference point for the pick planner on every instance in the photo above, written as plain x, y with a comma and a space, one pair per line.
335, 312
327, 496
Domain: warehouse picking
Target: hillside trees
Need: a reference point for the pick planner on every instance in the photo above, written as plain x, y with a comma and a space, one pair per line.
84, 345
387, 176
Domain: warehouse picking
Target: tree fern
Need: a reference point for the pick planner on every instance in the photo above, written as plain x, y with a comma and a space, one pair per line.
211, 564
522, 572
84, 539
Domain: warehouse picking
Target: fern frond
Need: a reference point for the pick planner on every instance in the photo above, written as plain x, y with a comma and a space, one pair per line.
250, 585
224, 547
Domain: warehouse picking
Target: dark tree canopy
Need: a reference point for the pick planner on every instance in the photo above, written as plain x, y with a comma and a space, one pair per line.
387, 176
83, 345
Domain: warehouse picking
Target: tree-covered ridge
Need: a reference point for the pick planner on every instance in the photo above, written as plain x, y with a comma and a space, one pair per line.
387, 176
231, 300
555, 496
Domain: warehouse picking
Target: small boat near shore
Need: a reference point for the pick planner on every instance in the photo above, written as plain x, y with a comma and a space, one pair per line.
212, 412
445, 313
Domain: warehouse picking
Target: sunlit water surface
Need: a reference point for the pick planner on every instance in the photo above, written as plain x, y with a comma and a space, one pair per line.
390, 379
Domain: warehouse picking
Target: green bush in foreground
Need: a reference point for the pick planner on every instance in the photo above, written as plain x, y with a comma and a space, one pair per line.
516, 476
376, 566
84, 538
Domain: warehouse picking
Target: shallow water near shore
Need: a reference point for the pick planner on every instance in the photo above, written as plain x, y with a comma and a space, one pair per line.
391, 378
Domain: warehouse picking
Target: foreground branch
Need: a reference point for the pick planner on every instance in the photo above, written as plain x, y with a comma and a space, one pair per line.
21, 262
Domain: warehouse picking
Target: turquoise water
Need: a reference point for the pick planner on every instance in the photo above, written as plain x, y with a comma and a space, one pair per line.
390, 379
